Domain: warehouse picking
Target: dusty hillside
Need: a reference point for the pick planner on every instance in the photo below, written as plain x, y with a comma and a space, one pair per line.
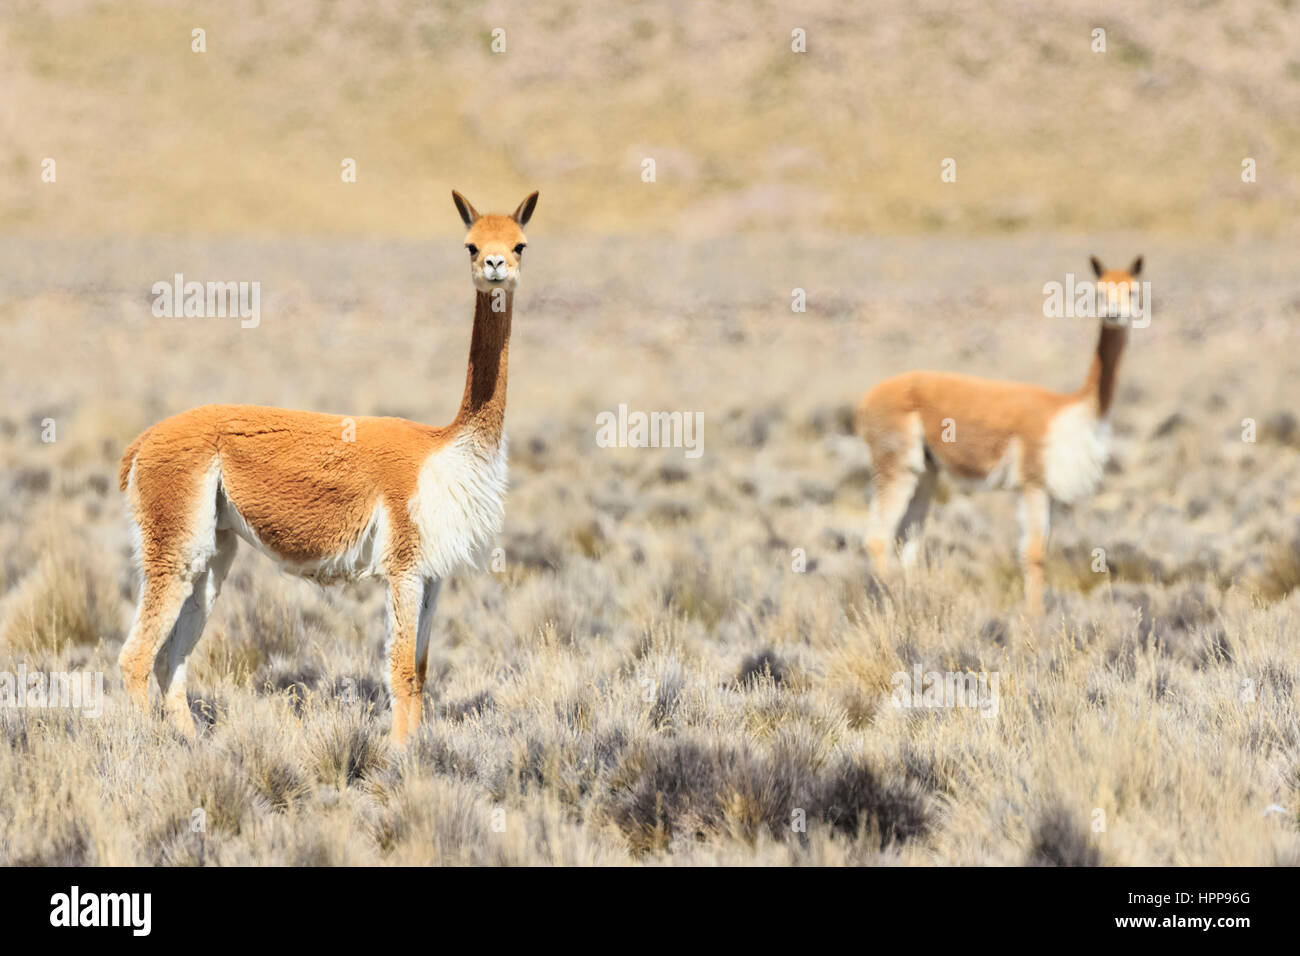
1047, 134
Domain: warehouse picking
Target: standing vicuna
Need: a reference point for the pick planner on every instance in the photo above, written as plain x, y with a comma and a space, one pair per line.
1046, 444
326, 497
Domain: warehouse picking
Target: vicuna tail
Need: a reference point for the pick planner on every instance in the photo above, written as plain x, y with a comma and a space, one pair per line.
128, 459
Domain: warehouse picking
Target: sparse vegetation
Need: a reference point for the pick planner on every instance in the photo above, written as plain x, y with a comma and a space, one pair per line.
678, 661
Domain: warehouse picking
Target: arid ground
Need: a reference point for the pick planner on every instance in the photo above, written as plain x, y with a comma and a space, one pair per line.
672, 659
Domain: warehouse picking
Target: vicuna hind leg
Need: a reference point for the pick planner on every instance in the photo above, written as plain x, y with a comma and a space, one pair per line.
169, 665
908, 536
177, 526
890, 505
161, 598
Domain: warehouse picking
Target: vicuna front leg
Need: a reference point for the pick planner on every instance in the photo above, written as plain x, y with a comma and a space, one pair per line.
428, 605
1035, 516
405, 679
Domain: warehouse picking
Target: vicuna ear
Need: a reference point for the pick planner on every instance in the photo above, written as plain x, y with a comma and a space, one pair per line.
1097, 267
525, 210
467, 212
1136, 267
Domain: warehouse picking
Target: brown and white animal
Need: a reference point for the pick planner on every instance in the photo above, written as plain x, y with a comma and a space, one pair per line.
1045, 444
328, 498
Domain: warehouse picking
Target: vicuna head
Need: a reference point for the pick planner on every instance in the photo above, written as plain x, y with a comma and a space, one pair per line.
495, 243
1118, 293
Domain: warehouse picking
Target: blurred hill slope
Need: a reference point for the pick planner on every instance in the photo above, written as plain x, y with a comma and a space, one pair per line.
248, 137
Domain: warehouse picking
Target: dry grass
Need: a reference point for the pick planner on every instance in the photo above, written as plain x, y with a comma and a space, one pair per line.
649, 680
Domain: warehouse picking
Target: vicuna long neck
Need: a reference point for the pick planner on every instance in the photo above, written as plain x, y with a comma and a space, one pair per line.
1100, 385
483, 407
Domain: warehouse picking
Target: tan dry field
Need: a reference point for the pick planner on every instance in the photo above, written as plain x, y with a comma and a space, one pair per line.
648, 679
1162, 693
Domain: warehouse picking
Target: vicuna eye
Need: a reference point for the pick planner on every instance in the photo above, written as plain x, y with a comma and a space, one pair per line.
519, 249
473, 249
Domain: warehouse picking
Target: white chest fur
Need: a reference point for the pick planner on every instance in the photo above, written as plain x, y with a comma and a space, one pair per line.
1075, 451
459, 503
